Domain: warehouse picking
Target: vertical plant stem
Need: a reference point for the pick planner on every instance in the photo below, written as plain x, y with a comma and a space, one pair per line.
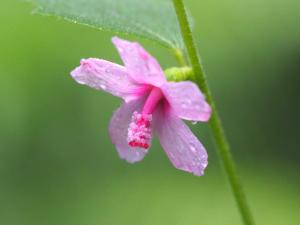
215, 122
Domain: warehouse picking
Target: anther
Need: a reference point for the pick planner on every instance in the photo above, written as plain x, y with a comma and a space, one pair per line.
139, 131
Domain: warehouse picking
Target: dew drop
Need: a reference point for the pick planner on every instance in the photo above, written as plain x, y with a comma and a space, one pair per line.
80, 82
103, 86
204, 164
193, 148
194, 122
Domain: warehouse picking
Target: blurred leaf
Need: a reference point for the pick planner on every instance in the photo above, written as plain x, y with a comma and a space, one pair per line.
151, 19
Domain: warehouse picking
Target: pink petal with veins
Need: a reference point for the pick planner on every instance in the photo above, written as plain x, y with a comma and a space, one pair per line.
187, 101
109, 77
140, 65
184, 150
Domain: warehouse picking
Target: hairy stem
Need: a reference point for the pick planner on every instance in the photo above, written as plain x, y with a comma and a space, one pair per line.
215, 122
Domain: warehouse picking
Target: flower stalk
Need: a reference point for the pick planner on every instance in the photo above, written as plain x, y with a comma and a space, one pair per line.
223, 148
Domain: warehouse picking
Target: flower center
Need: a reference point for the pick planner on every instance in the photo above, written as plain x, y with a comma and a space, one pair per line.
139, 131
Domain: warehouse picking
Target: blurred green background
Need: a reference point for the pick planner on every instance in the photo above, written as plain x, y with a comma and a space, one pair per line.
58, 167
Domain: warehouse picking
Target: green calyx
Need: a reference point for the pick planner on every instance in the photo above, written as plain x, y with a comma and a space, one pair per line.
177, 74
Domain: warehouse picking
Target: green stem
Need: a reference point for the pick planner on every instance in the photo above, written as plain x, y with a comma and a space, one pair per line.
215, 122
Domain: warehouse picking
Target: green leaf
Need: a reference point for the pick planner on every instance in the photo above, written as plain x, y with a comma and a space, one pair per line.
151, 19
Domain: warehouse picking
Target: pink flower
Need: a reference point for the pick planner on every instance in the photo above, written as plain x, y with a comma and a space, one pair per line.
152, 106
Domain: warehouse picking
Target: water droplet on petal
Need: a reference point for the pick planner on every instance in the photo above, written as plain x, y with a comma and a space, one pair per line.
103, 86
80, 81
204, 164
193, 148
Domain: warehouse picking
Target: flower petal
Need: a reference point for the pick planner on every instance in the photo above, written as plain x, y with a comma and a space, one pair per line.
182, 147
141, 66
118, 129
187, 100
110, 77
